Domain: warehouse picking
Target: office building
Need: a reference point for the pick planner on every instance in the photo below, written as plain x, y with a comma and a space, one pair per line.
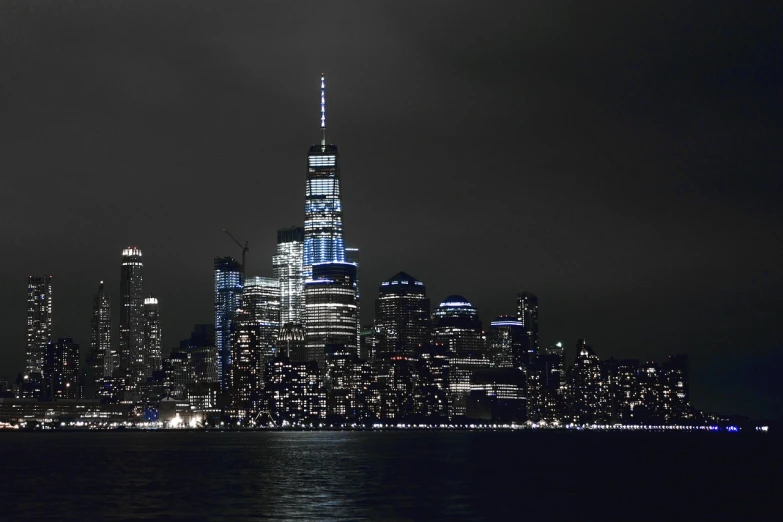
287, 270
506, 341
330, 310
260, 299
455, 324
402, 315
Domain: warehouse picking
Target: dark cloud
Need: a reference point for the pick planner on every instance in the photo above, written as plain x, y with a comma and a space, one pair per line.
619, 159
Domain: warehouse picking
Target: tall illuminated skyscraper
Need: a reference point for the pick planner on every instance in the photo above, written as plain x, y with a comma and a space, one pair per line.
39, 321
228, 289
131, 319
323, 227
287, 269
100, 339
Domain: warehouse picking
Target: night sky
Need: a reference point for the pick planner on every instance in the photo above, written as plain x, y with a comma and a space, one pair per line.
620, 160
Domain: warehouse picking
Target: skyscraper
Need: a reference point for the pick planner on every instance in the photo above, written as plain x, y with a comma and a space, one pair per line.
228, 288
287, 269
527, 313
506, 342
402, 315
260, 300
131, 318
39, 321
152, 356
455, 323
323, 227
330, 310
246, 383
100, 338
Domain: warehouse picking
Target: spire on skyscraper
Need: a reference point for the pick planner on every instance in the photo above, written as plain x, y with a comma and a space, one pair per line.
323, 110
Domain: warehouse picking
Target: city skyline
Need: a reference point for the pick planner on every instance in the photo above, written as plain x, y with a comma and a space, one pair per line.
638, 275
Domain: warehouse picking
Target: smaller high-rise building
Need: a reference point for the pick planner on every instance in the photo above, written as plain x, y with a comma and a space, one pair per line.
287, 270
260, 301
152, 354
506, 341
39, 322
402, 315
678, 396
456, 325
228, 289
330, 304
620, 380
100, 339
551, 372
61, 370
247, 369
586, 389
527, 314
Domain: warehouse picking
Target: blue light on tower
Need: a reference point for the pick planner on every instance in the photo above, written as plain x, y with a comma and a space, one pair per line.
323, 230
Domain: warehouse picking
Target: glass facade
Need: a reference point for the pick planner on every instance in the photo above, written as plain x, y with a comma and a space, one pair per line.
323, 228
228, 289
287, 270
261, 300
39, 321
330, 310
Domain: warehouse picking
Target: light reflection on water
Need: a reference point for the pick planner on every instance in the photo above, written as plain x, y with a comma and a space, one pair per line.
361, 475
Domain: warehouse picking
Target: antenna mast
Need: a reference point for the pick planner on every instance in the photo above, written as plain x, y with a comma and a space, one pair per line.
323, 111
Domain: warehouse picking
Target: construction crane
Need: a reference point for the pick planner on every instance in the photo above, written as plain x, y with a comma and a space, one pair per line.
244, 248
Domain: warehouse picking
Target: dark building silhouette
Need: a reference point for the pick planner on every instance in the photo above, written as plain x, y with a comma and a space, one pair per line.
402, 315
61, 370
